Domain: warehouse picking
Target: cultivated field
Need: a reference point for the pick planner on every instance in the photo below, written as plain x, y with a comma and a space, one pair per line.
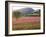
26, 23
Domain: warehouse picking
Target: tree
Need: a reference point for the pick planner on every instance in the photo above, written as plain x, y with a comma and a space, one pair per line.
16, 14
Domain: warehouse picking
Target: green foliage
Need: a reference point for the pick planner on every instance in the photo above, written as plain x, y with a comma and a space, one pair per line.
16, 14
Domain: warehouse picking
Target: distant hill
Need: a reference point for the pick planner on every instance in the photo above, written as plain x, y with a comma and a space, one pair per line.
26, 10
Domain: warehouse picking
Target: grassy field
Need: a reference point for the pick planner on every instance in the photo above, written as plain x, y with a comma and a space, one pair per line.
26, 26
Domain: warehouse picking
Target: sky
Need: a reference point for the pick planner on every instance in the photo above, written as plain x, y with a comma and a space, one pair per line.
16, 8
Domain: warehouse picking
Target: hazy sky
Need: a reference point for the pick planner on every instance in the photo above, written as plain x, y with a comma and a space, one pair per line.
16, 8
